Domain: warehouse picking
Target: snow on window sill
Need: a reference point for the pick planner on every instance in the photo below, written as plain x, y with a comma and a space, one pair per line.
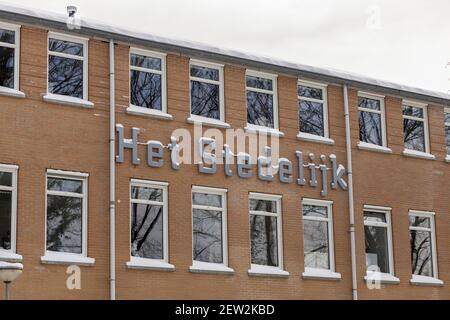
382, 277
208, 122
66, 259
8, 92
418, 154
314, 138
66, 100
251, 128
373, 147
6, 255
320, 274
147, 112
205, 267
447, 158
149, 264
425, 281
267, 271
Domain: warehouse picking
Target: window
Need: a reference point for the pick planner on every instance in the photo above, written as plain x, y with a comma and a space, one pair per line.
447, 130
372, 128
265, 232
9, 57
312, 108
415, 127
262, 104
148, 80
8, 209
209, 227
423, 246
67, 66
149, 224
207, 95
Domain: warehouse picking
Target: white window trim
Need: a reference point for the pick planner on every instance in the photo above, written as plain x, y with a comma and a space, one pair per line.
208, 267
382, 276
148, 263
147, 112
11, 254
419, 279
53, 257
446, 124
414, 153
5, 91
317, 273
324, 101
382, 113
68, 100
264, 270
274, 93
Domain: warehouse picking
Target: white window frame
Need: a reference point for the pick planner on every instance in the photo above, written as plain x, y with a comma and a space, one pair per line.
205, 120
209, 267
11, 254
148, 263
425, 280
54, 257
446, 124
138, 110
16, 46
324, 101
264, 270
414, 153
270, 76
318, 273
384, 277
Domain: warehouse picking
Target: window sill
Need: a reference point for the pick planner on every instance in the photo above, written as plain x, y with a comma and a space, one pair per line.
66, 100
373, 147
267, 271
208, 122
426, 281
8, 92
146, 112
149, 264
214, 268
418, 154
66, 259
10, 256
447, 158
250, 128
382, 277
320, 274
313, 138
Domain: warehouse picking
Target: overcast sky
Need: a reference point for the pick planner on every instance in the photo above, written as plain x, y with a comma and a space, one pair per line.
401, 41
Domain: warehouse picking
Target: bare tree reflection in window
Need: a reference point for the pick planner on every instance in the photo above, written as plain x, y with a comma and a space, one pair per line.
207, 236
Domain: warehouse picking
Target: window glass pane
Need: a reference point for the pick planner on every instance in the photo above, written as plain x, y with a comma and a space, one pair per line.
67, 185
205, 199
414, 134
67, 47
309, 92
311, 118
374, 216
7, 36
263, 230
207, 231
377, 250
205, 73
413, 111
370, 127
447, 117
260, 109
315, 211
145, 89
205, 100
367, 103
6, 179
145, 62
421, 256
5, 219
65, 76
263, 205
315, 243
146, 193
259, 83
418, 221
7, 67
64, 224
147, 231
447, 139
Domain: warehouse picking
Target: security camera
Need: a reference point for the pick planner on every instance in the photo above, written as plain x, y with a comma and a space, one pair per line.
71, 10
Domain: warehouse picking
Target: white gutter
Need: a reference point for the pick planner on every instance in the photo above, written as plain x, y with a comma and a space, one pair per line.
351, 210
112, 175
